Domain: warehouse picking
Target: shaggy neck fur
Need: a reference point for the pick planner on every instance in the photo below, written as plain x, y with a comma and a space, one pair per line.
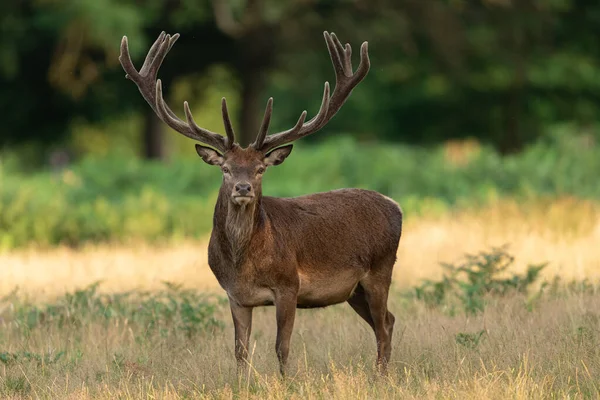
240, 224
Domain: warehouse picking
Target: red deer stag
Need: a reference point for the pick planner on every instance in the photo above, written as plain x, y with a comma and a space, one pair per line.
309, 251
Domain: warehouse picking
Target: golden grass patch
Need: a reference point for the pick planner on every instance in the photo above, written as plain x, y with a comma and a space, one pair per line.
550, 352
565, 233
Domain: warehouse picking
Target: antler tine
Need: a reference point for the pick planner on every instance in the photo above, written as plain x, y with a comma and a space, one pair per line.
264, 126
227, 123
364, 64
203, 135
346, 80
301, 129
152, 52
158, 59
151, 90
163, 113
318, 119
337, 54
189, 129
300, 122
125, 59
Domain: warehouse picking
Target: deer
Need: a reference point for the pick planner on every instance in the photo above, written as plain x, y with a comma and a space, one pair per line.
310, 251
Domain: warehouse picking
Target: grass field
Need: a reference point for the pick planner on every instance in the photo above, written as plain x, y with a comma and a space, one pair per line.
112, 344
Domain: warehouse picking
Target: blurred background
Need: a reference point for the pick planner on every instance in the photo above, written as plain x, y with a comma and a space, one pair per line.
466, 102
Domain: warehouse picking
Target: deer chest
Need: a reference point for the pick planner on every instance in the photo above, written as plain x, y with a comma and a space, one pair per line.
245, 288
251, 296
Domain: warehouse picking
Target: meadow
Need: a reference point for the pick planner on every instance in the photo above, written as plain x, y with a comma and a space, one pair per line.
141, 316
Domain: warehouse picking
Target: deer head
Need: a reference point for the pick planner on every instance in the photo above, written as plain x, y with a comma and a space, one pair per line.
243, 168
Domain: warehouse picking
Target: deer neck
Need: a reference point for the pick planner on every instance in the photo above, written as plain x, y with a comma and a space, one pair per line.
237, 224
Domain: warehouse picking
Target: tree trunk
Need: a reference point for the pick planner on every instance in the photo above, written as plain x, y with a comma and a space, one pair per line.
257, 56
252, 110
153, 137
513, 139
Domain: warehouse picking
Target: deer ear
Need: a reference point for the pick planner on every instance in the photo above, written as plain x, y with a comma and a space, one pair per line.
209, 155
278, 155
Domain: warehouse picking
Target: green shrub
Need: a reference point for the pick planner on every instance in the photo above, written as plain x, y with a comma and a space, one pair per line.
118, 199
470, 283
172, 311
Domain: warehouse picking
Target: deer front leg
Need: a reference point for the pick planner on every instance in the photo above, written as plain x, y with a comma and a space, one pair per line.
285, 306
242, 323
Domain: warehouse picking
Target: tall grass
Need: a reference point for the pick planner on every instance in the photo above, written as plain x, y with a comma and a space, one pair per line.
172, 345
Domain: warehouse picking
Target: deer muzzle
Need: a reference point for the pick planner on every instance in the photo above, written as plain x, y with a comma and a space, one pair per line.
243, 193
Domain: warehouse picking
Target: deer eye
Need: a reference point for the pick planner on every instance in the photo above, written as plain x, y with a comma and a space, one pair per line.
260, 171
225, 170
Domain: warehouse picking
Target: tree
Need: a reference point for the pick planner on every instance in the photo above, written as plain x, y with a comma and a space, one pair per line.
59, 61
497, 70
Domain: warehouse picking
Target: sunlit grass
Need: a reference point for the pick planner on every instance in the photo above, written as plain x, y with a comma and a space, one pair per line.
564, 233
550, 349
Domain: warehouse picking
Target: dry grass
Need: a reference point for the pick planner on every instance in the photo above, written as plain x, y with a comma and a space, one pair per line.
552, 351
565, 233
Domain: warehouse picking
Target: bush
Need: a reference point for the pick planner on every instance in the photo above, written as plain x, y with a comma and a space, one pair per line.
468, 284
118, 199
172, 311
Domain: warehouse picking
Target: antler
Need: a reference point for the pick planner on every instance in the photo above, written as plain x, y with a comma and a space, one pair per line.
346, 80
151, 90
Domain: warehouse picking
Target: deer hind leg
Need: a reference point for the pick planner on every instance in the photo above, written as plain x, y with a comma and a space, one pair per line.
358, 302
285, 310
242, 323
376, 288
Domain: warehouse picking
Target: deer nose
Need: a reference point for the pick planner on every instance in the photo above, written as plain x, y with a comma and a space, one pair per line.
243, 189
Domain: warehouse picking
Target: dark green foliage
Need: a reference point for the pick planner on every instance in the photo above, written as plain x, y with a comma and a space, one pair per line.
473, 281
500, 71
49, 81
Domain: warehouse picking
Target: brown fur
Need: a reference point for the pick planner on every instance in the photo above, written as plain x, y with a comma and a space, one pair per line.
308, 251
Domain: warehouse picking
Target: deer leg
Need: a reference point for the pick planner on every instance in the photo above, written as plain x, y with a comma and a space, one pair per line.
358, 302
376, 291
285, 310
242, 323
